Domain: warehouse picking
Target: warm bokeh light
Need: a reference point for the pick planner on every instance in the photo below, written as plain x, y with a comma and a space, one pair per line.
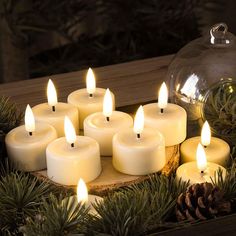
206, 134
69, 131
139, 121
201, 158
90, 82
51, 93
29, 119
82, 192
107, 104
163, 96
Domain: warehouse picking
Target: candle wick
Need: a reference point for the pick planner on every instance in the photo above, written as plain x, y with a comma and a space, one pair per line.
90, 95
162, 110
72, 145
30, 133
205, 146
53, 108
108, 118
138, 136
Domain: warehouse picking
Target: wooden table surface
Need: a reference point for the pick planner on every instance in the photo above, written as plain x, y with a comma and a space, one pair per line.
132, 82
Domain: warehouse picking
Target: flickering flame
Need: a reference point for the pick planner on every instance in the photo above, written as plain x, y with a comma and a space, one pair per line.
139, 121
29, 119
90, 82
163, 96
82, 192
107, 104
206, 134
69, 131
51, 93
201, 158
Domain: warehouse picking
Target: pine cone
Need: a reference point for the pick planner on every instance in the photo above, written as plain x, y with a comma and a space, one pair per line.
200, 202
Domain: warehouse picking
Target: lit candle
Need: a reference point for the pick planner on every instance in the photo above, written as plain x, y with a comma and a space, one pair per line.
90, 99
170, 119
54, 112
138, 151
84, 198
200, 171
217, 150
26, 144
103, 125
73, 157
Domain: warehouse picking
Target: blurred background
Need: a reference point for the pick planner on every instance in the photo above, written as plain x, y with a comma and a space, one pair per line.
46, 37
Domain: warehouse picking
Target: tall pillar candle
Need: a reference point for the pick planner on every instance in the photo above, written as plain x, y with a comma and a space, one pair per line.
138, 151
170, 119
26, 144
54, 112
73, 157
88, 100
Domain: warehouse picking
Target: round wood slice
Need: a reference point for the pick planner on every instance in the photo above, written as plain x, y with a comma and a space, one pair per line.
112, 179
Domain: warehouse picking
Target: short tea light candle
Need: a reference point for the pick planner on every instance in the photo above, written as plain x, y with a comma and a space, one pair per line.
217, 150
90, 99
170, 119
26, 145
200, 171
84, 198
138, 151
73, 157
103, 125
54, 112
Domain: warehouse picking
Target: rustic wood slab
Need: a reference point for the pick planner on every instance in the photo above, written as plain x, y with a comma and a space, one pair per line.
112, 179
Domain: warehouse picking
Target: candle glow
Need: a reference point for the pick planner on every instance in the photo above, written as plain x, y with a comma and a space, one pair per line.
90, 82
206, 134
51, 94
29, 120
82, 192
107, 104
69, 131
139, 121
163, 96
201, 158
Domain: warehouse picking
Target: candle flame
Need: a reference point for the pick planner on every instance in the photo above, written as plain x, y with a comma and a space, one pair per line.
139, 121
90, 81
82, 192
69, 131
206, 134
29, 119
201, 158
107, 104
163, 96
51, 93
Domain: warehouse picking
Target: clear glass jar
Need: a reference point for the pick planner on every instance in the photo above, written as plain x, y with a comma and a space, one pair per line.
197, 67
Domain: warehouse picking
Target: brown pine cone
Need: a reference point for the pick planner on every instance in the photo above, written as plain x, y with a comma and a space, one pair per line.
200, 202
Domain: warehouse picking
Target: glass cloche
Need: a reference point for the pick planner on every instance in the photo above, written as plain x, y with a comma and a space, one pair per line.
197, 67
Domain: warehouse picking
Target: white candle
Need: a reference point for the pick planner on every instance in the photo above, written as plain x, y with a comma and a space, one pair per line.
217, 150
170, 119
53, 112
26, 144
73, 157
200, 171
103, 125
88, 100
138, 151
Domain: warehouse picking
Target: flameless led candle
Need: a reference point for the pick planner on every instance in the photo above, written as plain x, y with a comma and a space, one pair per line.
73, 157
90, 99
217, 150
138, 151
103, 125
200, 171
26, 144
53, 112
170, 119
84, 198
